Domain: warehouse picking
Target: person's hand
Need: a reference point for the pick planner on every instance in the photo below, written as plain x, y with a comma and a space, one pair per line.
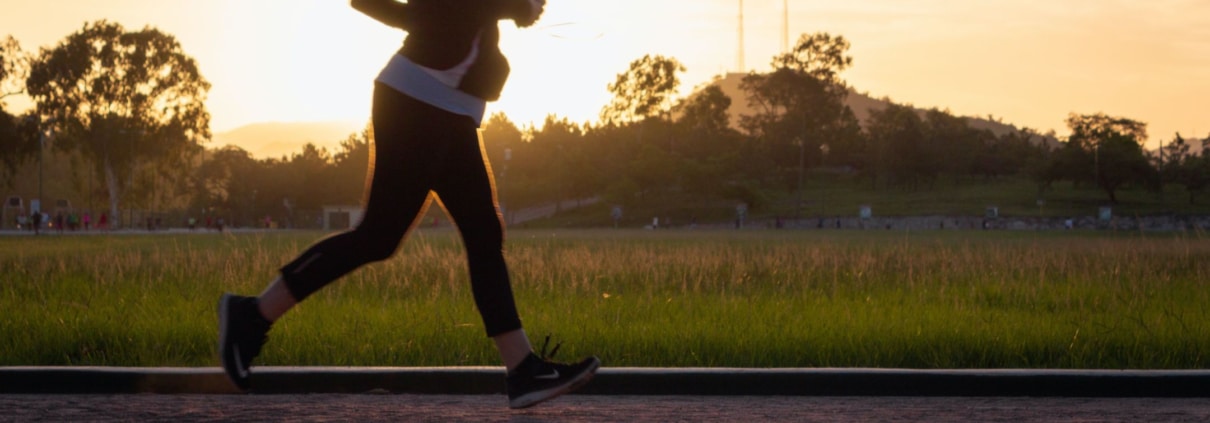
536, 7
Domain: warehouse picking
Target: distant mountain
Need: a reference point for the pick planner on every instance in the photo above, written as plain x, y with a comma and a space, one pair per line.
277, 139
860, 103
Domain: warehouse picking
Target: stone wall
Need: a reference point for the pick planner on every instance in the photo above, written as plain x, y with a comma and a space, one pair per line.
919, 223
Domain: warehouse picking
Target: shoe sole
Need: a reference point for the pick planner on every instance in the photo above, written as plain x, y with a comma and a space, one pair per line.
534, 398
224, 311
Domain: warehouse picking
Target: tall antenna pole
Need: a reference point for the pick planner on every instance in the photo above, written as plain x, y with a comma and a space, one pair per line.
785, 27
740, 58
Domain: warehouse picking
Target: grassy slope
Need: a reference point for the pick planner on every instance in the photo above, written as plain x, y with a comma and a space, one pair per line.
829, 195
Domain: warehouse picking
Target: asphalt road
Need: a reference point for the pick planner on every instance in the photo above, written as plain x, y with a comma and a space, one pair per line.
593, 408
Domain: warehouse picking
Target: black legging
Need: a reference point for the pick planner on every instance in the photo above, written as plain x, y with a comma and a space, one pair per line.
419, 148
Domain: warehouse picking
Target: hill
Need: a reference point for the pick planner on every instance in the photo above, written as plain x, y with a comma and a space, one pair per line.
860, 103
277, 139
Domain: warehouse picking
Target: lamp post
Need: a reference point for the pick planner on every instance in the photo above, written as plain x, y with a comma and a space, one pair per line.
823, 157
43, 127
41, 153
802, 154
508, 155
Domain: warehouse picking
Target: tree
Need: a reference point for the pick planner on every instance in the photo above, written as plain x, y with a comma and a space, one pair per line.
501, 139
706, 112
121, 99
643, 91
558, 148
18, 142
707, 161
14, 68
18, 134
1170, 158
705, 125
820, 55
1179, 165
219, 179
950, 144
350, 167
309, 167
800, 104
897, 137
805, 83
1105, 151
1194, 174
1021, 151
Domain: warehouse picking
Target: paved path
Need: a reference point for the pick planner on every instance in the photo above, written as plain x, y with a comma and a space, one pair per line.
592, 408
620, 381
181, 395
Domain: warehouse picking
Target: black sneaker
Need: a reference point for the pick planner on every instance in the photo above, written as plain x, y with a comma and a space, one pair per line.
241, 333
538, 379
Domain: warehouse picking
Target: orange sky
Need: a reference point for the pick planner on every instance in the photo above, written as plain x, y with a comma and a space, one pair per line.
1028, 62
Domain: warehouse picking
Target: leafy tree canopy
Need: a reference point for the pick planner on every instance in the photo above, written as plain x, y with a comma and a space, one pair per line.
121, 98
645, 90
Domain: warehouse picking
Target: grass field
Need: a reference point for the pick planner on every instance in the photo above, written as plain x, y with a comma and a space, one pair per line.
668, 298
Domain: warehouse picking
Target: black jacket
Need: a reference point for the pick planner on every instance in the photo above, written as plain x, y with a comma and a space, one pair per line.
441, 33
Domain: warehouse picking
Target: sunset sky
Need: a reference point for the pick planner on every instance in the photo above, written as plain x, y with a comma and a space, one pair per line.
1028, 62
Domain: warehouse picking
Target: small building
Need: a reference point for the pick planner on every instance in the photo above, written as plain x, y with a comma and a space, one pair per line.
13, 207
340, 218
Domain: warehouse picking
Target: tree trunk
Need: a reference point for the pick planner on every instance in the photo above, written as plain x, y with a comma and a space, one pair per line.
111, 183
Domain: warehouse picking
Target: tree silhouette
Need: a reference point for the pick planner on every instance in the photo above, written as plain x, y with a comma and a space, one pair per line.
14, 68
645, 90
122, 99
710, 150
820, 55
705, 112
219, 179
1105, 151
18, 134
900, 153
800, 104
350, 168
502, 139
1194, 174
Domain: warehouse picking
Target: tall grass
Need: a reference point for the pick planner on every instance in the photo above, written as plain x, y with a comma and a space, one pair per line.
760, 299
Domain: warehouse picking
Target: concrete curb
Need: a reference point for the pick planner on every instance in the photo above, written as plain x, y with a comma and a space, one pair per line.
619, 381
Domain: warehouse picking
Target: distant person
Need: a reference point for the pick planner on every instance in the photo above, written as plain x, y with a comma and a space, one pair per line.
428, 103
87, 218
59, 222
36, 219
103, 222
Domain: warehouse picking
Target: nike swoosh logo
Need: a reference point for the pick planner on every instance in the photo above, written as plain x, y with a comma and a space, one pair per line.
551, 376
239, 365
